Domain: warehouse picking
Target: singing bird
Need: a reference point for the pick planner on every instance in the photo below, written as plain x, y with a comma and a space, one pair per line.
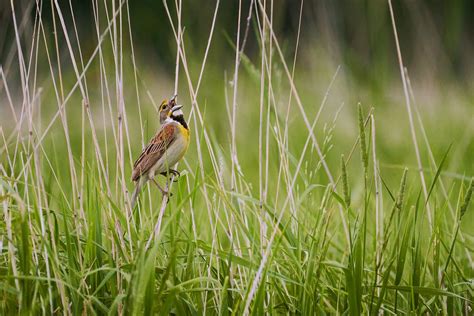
164, 150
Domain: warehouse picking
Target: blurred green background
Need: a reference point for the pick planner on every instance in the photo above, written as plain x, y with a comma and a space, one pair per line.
436, 39
436, 36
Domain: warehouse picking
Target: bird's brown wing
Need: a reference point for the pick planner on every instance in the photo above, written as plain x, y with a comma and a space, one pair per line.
154, 150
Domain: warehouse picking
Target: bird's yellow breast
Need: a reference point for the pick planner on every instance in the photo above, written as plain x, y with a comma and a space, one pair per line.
184, 134
184, 131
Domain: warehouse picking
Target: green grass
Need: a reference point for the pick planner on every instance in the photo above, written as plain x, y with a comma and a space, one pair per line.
288, 202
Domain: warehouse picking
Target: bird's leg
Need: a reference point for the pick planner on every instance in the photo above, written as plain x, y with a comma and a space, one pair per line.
163, 191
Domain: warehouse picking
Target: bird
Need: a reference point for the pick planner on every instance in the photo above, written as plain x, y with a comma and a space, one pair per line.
164, 150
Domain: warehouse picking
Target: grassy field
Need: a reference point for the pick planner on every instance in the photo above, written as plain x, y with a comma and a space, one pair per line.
303, 191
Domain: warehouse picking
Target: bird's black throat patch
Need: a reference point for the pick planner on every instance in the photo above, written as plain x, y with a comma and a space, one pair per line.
181, 120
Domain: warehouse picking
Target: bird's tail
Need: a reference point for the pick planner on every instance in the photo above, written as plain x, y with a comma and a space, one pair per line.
138, 187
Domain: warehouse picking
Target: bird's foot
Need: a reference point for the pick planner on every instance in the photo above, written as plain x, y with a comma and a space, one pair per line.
174, 173
167, 193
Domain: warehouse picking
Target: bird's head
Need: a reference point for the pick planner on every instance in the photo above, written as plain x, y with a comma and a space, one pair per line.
165, 108
175, 111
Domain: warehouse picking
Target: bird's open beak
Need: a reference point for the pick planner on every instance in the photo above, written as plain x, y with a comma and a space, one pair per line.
173, 98
176, 107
